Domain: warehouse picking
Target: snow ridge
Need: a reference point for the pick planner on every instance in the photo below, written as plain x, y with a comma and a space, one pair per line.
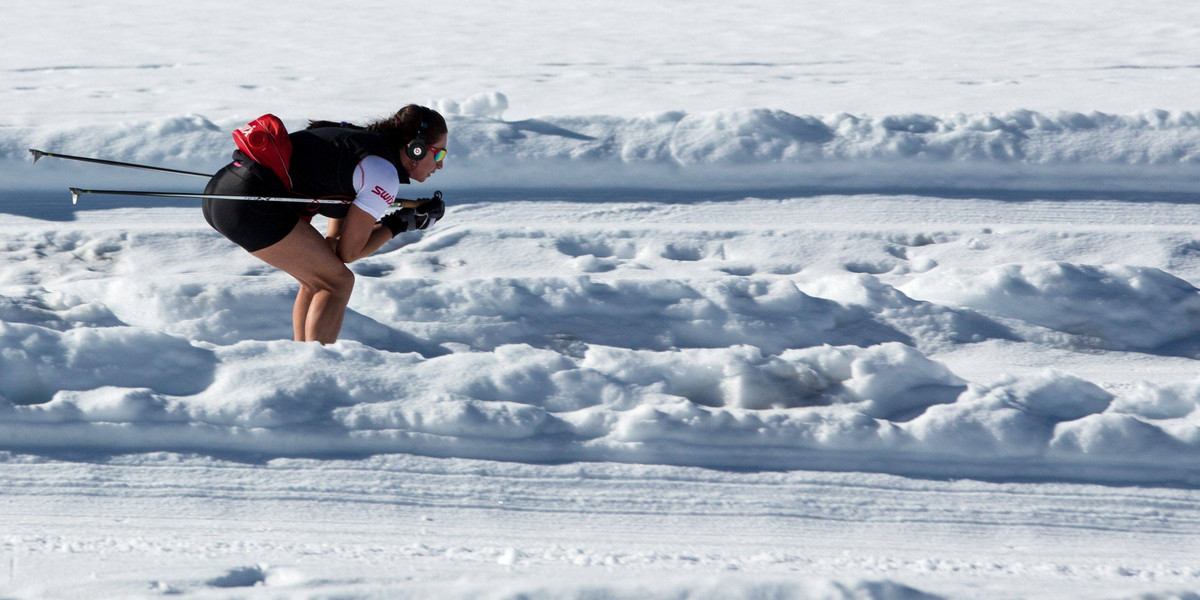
1020, 149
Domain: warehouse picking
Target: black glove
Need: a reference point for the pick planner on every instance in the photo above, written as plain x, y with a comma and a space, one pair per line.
422, 217
433, 208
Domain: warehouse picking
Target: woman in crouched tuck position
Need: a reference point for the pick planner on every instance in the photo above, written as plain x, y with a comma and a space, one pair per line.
330, 160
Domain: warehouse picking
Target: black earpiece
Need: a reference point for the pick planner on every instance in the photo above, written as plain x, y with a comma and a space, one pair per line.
418, 147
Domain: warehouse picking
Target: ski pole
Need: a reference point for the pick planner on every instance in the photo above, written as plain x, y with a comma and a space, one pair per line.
77, 192
100, 161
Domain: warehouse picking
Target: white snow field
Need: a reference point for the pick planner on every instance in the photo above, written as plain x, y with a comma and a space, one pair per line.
756, 300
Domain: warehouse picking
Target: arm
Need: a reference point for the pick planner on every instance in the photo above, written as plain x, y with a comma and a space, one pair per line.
359, 235
332, 233
376, 183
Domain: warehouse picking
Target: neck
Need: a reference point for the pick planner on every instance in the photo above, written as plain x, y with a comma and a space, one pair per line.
407, 163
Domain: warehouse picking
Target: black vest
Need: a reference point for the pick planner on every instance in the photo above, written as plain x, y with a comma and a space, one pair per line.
324, 160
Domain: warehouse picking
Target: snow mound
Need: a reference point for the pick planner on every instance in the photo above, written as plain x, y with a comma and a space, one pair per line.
490, 105
1116, 307
824, 406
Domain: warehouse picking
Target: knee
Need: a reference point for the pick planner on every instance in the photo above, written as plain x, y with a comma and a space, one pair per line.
339, 283
344, 282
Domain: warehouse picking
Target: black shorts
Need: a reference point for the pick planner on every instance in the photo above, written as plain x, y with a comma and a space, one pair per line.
251, 224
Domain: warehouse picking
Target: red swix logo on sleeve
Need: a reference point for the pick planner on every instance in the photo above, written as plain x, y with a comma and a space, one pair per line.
382, 193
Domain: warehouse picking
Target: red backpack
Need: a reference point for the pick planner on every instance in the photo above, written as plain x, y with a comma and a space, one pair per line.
265, 141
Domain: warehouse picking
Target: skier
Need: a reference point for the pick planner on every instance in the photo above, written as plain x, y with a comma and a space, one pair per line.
331, 160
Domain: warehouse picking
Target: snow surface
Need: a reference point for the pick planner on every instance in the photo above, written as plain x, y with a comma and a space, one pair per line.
763, 300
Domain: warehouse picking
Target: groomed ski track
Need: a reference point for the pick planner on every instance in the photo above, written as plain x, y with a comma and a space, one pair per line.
331, 528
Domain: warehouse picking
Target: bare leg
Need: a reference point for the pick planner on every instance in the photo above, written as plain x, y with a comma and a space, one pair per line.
300, 311
325, 315
305, 255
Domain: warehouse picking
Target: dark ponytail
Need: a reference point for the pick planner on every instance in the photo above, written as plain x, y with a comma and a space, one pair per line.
320, 124
403, 127
400, 128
